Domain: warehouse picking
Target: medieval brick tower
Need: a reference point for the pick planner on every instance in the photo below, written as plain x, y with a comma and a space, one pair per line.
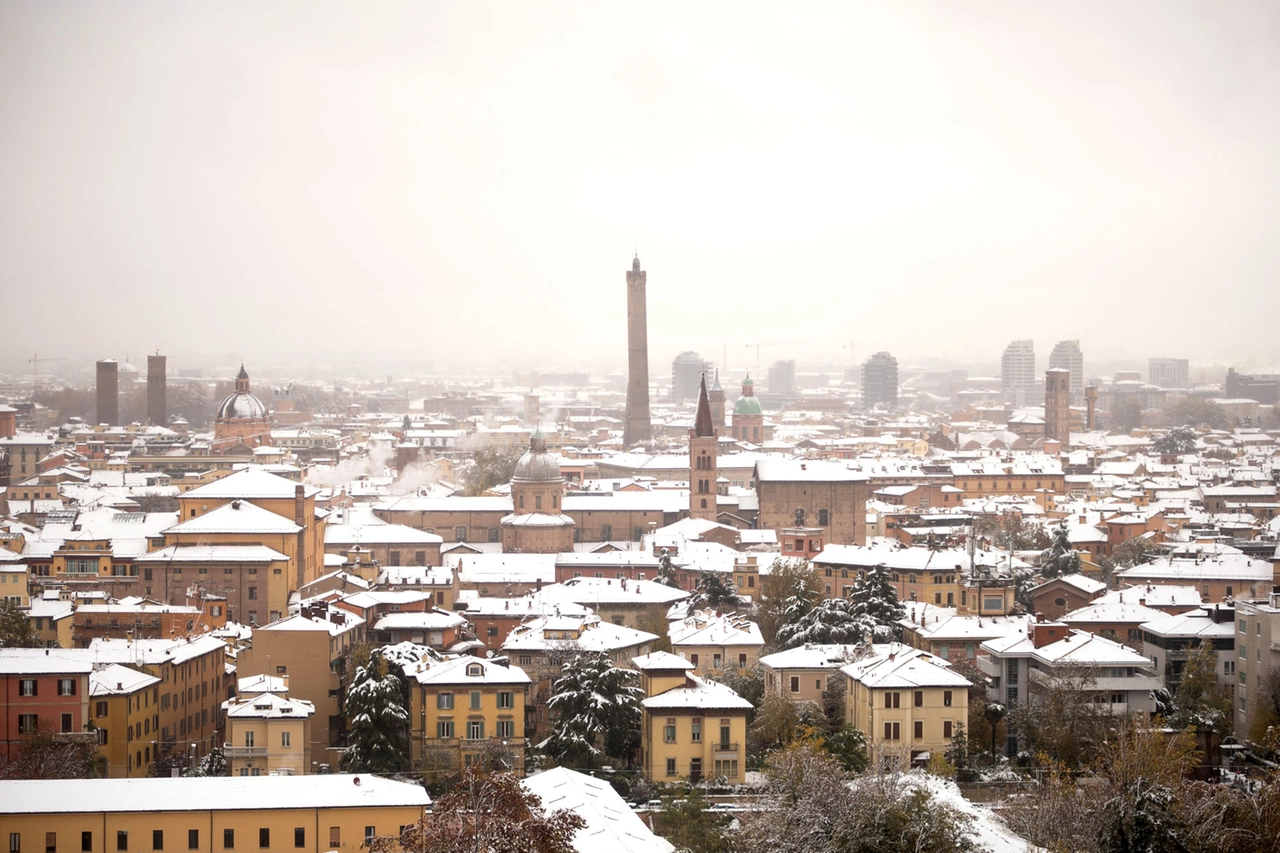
108, 389
157, 408
1057, 405
702, 460
716, 396
637, 428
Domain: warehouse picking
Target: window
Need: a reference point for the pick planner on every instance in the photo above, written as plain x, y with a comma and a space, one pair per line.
606, 532
100, 709
264, 837
671, 767
724, 734
917, 699
1244, 627
727, 768
394, 558
742, 660
946, 728
28, 723
50, 842
284, 738
193, 839
444, 729
157, 839
229, 838
506, 700
15, 842
892, 699
28, 687
66, 687
795, 684
475, 700
299, 836
86, 841
369, 834
918, 731
946, 698
893, 731
697, 730
248, 738
460, 533
122, 839
475, 730
944, 651
444, 701
693, 659
335, 836
506, 728
669, 731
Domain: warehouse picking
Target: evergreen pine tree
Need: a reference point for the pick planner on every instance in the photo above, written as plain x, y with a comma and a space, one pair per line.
378, 724
666, 570
833, 620
875, 601
597, 707
1059, 558
714, 591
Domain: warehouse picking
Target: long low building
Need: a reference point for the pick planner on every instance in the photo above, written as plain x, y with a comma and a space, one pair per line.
317, 813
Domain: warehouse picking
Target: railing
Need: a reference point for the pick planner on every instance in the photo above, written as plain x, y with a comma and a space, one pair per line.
725, 747
244, 751
75, 737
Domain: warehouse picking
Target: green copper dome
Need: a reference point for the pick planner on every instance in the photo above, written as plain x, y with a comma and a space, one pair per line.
748, 406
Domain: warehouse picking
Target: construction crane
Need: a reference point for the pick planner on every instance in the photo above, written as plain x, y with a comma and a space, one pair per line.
769, 344
34, 361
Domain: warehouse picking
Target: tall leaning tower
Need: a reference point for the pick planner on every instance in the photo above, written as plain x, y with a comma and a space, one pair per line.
637, 428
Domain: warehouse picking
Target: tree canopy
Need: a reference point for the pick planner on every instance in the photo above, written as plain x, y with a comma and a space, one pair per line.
1060, 558
377, 720
16, 630
1180, 439
597, 711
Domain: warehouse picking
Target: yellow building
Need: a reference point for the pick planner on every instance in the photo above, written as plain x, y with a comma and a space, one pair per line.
268, 735
465, 710
906, 701
124, 708
14, 581
690, 727
311, 648
211, 814
713, 641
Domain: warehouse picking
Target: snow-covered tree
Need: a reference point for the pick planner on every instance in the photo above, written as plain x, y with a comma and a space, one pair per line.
875, 600
213, 764
597, 708
790, 584
666, 570
378, 723
833, 620
714, 591
1180, 439
1059, 558
1200, 702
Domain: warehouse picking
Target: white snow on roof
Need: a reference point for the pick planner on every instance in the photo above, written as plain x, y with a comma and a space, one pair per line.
218, 793
236, 517
213, 554
250, 482
611, 825
895, 665
465, 670
698, 693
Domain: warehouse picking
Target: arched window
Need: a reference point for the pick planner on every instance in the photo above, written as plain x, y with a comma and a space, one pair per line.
944, 651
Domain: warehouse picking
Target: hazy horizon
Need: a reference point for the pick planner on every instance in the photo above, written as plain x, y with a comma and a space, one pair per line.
467, 183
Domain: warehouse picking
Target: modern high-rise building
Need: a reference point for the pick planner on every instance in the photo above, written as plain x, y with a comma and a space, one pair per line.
1066, 355
686, 373
157, 405
782, 377
1057, 405
108, 392
1018, 380
637, 428
1168, 372
880, 381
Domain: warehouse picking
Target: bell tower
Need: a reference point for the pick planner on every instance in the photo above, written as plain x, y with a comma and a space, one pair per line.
637, 428
702, 460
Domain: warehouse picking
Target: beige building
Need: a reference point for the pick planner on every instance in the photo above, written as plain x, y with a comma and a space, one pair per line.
906, 701
1257, 656
210, 814
268, 735
802, 674
715, 641
690, 728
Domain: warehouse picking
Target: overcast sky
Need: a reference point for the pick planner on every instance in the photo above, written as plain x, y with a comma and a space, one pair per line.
468, 181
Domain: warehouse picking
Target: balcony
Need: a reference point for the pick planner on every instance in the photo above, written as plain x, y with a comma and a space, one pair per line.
75, 737
232, 752
723, 748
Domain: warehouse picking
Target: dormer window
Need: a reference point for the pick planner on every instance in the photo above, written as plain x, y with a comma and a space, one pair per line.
475, 669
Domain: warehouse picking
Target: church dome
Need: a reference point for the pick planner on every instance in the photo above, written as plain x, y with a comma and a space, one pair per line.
748, 406
538, 465
242, 404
